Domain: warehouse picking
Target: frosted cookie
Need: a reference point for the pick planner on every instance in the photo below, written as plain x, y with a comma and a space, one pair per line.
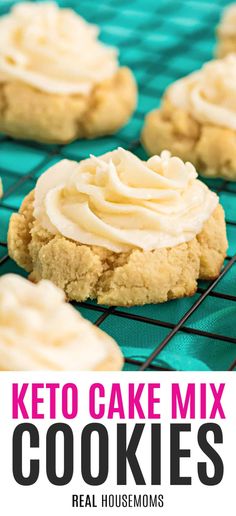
197, 120
58, 82
39, 331
226, 32
120, 230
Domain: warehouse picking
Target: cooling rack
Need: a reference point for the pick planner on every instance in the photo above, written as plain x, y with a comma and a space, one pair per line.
161, 41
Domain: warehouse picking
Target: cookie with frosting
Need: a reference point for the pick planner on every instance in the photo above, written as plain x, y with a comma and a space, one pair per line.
226, 32
120, 230
58, 82
197, 120
39, 331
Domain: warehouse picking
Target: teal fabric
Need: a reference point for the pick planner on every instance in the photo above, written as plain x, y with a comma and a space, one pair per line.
161, 42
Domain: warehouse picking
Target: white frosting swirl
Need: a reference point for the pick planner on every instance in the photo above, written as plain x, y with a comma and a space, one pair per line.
209, 95
53, 49
119, 202
38, 330
227, 26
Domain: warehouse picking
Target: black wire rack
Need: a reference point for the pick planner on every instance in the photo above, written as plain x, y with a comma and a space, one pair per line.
167, 40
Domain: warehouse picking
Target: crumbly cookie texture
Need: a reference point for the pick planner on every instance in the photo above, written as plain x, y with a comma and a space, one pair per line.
226, 32
226, 45
28, 113
133, 278
211, 148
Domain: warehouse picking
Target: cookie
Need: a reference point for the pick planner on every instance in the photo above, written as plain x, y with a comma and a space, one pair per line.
120, 230
226, 32
197, 120
39, 331
58, 82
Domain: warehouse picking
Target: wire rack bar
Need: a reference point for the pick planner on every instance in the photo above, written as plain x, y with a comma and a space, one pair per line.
233, 366
180, 324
